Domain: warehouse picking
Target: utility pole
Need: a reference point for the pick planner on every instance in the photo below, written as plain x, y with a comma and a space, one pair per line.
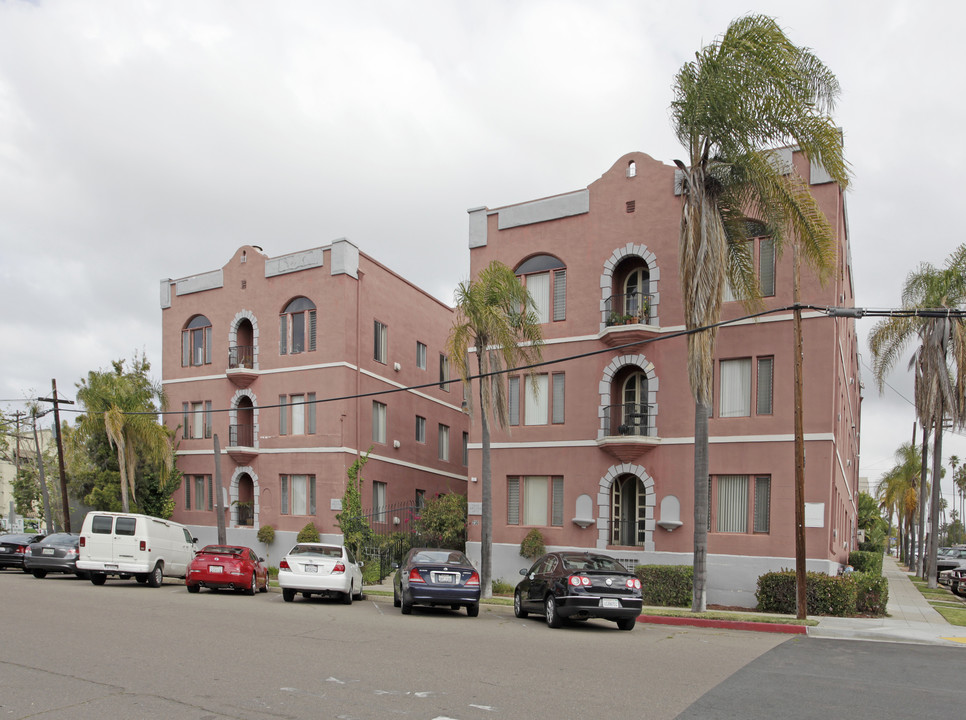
219, 510
800, 574
48, 516
60, 450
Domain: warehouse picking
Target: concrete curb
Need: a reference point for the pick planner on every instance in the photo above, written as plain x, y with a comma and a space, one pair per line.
725, 624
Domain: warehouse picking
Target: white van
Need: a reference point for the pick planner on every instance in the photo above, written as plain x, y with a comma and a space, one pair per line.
127, 544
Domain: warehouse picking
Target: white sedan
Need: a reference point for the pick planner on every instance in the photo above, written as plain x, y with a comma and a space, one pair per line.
320, 569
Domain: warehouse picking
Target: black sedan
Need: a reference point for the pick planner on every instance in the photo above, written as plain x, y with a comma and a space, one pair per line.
55, 553
434, 576
577, 586
13, 546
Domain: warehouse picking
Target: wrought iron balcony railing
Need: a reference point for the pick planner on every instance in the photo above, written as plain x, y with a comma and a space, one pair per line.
633, 419
241, 356
241, 436
628, 309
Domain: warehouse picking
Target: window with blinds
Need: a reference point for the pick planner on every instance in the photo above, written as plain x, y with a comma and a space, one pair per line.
735, 399
766, 266
762, 504
535, 500
545, 278
513, 401
732, 508
766, 367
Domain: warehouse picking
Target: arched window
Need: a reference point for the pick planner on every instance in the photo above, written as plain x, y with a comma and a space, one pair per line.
634, 400
631, 169
545, 277
297, 327
196, 342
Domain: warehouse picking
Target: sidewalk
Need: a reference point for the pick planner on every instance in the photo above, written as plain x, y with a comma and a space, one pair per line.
910, 618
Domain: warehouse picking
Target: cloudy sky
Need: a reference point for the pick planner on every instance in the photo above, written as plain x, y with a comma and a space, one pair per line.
147, 140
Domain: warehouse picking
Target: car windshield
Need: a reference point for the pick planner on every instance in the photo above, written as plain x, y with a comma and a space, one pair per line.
452, 557
221, 550
318, 550
592, 562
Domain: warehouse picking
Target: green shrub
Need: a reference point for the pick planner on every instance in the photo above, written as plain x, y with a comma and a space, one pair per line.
872, 593
266, 534
866, 562
666, 585
532, 546
442, 522
502, 588
372, 572
309, 533
272, 571
824, 594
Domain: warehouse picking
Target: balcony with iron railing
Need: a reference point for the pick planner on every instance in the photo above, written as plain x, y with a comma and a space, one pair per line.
628, 430
241, 443
629, 533
241, 365
627, 318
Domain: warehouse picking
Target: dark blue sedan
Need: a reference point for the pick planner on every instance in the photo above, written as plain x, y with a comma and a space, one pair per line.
435, 576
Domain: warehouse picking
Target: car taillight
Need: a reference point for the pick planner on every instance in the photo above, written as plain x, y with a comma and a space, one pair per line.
339, 568
284, 565
143, 546
578, 580
414, 576
633, 583
71, 551
83, 541
474, 579
20, 550
28, 551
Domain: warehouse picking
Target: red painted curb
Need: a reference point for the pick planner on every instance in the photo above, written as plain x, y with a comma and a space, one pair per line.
725, 624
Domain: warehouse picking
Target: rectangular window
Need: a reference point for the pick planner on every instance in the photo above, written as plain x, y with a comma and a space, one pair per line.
559, 295
558, 398
378, 422
298, 494
538, 285
420, 429
196, 346
466, 449
187, 493
735, 398
297, 403
444, 442
296, 331
766, 266
211, 493
536, 401
420, 355
283, 415
296, 414
443, 372
197, 425
535, 499
513, 401
732, 503
420, 499
378, 501
762, 504
513, 501
199, 491
766, 366
380, 342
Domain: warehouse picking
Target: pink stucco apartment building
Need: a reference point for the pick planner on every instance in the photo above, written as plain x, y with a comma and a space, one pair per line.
298, 364
599, 453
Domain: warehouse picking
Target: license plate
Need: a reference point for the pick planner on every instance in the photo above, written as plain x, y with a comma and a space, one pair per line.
445, 579
215, 569
110, 567
610, 603
48, 551
311, 568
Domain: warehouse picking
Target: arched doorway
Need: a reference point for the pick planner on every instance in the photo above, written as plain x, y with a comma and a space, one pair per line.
242, 433
634, 414
244, 506
628, 511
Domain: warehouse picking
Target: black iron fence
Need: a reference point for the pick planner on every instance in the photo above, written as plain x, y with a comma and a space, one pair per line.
241, 356
628, 309
241, 435
630, 533
634, 419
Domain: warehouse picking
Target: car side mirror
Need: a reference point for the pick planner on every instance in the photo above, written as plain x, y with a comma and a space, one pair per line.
523, 571
194, 540
361, 563
395, 566
261, 559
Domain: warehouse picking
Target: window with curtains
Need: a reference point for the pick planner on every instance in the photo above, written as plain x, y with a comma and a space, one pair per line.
420, 355
545, 278
443, 372
765, 249
378, 422
736, 389
541, 396
196, 485
296, 329
443, 442
743, 501
196, 342
420, 429
380, 342
298, 495
378, 501
197, 420
296, 414
466, 449
535, 500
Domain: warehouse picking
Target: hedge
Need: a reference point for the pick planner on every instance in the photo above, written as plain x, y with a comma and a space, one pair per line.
872, 593
666, 585
824, 594
866, 562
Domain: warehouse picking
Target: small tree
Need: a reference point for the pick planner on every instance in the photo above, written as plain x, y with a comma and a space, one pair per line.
309, 533
443, 522
532, 546
352, 522
266, 536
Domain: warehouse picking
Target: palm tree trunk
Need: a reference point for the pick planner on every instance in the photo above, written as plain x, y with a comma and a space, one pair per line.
919, 548
937, 455
699, 601
486, 519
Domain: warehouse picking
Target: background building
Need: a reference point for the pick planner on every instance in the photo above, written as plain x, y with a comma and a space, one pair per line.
601, 445
298, 364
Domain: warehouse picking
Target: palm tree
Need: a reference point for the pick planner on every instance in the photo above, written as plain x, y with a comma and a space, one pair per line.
494, 318
122, 404
898, 493
748, 92
939, 361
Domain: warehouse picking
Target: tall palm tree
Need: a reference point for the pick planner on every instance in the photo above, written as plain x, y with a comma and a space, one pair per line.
495, 318
123, 404
747, 93
898, 493
939, 361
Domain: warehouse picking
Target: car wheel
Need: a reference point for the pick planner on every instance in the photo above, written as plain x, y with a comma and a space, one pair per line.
958, 590
156, 577
518, 605
553, 617
193, 588
407, 607
626, 623
347, 597
39, 574
473, 610
395, 598
288, 595
264, 588
25, 570
98, 578
360, 595
253, 588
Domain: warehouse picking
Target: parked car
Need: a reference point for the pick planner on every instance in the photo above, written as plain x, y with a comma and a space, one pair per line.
578, 586
953, 559
55, 553
435, 576
227, 567
957, 582
320, 569
13, 546
127, 544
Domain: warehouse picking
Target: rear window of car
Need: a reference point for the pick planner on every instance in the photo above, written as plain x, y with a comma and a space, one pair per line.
440, 556
318, 550
221, 550
592, 562
102, 524
60, 540
126, 525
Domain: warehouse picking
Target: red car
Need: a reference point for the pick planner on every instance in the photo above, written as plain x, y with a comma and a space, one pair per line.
231, 567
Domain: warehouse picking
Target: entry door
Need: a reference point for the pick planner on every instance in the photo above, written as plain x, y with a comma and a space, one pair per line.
628, 503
